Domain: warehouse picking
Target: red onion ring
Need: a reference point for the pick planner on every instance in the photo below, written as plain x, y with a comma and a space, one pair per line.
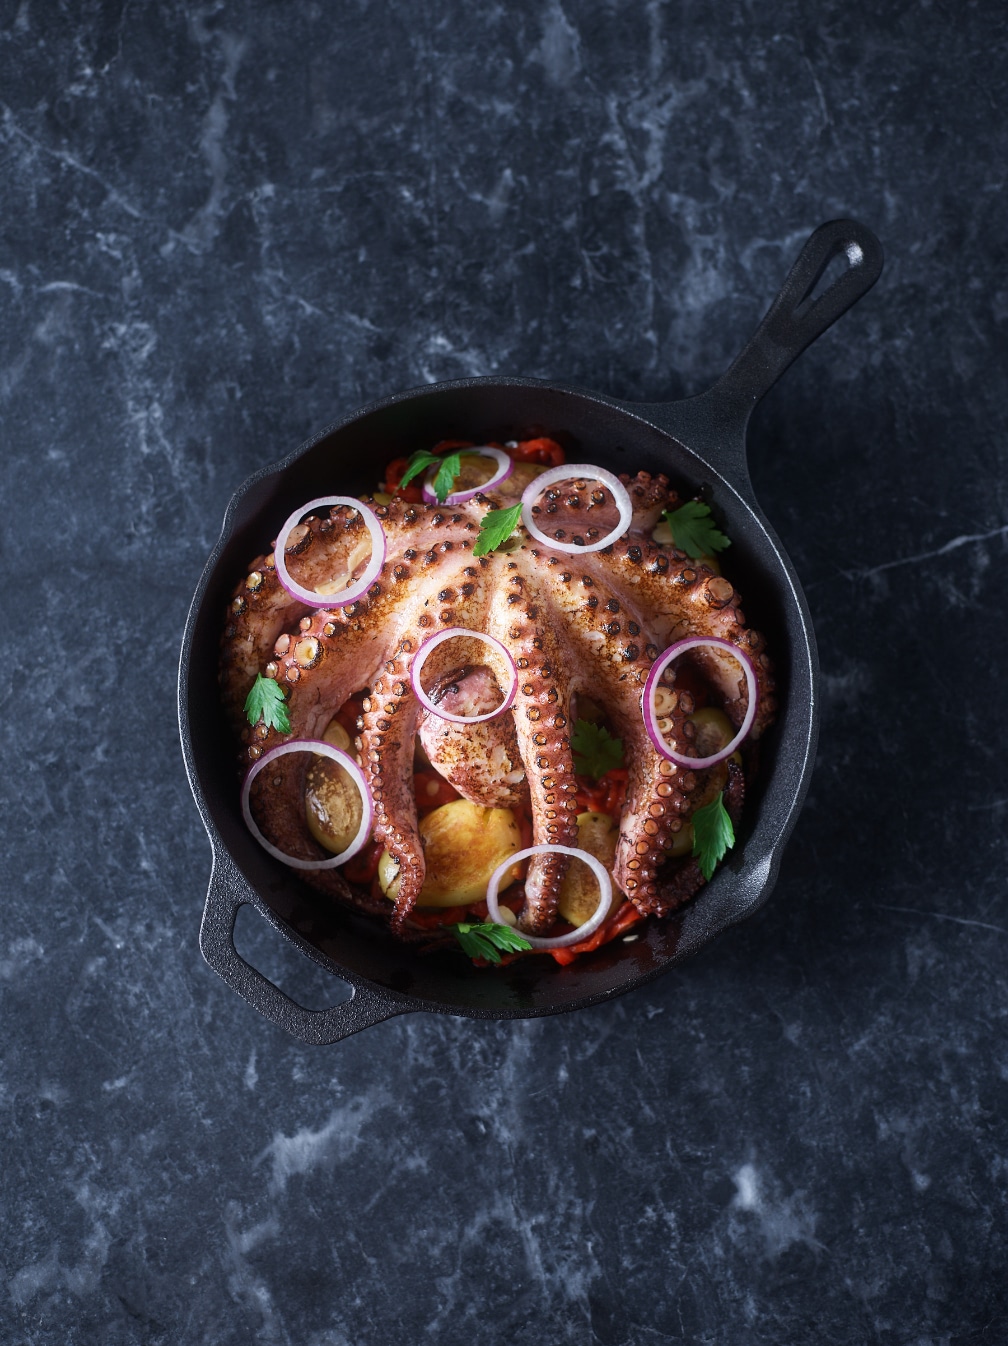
321, 749
312, 596
573, 936
564, 473
651, 716
428, 646
505, 466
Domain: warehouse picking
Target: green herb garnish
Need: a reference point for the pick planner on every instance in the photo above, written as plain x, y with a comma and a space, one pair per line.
484, 941
496, 527
448, 469
265, 701
694, 531
713, 835
595, 749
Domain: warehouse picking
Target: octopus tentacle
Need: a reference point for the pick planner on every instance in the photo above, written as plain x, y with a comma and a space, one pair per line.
391, 713
658, 795
480, 760
648, 497
685, 598
261, 610
658, 792
388, 730
541, 719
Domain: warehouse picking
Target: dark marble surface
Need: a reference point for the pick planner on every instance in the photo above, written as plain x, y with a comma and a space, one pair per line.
224, 227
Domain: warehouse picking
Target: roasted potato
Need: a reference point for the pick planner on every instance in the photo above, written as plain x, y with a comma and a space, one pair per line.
463, 845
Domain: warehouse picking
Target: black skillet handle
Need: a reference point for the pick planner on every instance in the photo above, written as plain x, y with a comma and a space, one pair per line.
714, 423
227, 894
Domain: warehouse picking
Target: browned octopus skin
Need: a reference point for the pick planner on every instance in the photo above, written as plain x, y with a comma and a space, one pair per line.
588, 623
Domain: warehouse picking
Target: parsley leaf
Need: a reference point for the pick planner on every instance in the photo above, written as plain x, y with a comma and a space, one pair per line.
265, 701
694, 531
713, 835
483, 941
595, 749
448, 469
496, 527
451, 466
418, 462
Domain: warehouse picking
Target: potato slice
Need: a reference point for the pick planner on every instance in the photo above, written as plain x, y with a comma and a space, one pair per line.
463, 845
579, 893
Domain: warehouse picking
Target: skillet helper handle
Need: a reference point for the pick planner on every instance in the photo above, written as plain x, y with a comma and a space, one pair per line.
226, 895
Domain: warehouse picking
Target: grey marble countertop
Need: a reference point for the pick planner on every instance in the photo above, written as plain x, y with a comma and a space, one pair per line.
226, 226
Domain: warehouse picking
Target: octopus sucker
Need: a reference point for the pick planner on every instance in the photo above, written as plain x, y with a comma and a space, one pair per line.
577, 627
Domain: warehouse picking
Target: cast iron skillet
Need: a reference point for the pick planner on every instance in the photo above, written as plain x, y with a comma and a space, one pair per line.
698, 442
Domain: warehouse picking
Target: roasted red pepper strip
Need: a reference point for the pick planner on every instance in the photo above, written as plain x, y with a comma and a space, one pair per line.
545, 452
429, 918
614, 925
394, 473
606, 795
364, 865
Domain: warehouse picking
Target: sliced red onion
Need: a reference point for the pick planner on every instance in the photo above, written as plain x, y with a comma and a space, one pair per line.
349, 595
505, 466
564, 473
651, 716
321, 749
427, 648
573, 936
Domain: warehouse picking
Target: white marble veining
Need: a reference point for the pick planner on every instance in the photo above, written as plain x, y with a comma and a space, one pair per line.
226, 226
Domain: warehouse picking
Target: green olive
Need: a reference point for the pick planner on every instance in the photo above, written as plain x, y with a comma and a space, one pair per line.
714, 731
579, 892
336, 735
682, 841
333, 805
388, 875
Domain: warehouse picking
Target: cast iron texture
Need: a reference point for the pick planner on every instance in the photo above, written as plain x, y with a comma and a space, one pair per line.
699, 443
